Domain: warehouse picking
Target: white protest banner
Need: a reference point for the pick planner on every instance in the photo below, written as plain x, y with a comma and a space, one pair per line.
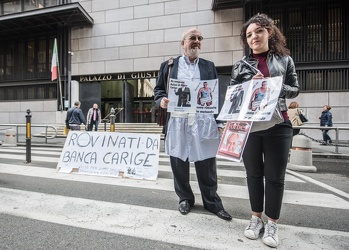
111, 154
198, 96
254, 100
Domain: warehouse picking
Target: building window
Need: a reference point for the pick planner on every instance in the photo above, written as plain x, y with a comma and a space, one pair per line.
25, 59
33, 4
316, 34
10, 6
29, 92
31, 58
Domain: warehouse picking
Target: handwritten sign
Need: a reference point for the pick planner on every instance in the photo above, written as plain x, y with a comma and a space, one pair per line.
111, 154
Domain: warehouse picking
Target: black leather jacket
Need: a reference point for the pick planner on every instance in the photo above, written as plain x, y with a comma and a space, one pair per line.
278, 66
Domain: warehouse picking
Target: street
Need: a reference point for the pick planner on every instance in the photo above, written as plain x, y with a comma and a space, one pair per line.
43, 209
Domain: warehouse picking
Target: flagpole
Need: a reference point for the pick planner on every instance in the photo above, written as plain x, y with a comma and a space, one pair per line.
60, 87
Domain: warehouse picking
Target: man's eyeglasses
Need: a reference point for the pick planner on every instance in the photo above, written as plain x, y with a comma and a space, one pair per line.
193, 38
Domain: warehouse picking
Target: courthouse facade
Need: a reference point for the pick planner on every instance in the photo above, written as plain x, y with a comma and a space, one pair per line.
110, 51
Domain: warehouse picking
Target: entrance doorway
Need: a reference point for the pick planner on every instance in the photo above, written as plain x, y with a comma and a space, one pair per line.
132, 99
143, 111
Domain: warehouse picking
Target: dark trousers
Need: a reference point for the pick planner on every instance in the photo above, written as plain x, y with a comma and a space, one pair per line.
207, 178
265, 157
90, 125
74, 127
296, 131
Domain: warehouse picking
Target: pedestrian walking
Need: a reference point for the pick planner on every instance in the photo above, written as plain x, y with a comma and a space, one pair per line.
326, 121
293, 113
75, 117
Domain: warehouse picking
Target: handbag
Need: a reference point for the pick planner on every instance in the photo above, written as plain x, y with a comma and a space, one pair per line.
163, 116
296, 121
303, 118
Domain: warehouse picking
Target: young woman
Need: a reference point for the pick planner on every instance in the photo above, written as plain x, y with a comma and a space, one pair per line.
266, 152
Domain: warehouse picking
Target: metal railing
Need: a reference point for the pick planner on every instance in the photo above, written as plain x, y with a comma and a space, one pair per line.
17, 126
336, 143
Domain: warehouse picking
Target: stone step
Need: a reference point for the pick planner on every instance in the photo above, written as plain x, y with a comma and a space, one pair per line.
150, 128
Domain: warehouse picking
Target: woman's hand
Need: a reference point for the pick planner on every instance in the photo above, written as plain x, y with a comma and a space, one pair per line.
258, 76
164, 102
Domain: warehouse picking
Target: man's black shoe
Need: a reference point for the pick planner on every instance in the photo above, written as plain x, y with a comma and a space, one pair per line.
184, 207
224, 215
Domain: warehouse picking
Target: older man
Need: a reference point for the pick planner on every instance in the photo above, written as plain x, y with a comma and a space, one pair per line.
191, 137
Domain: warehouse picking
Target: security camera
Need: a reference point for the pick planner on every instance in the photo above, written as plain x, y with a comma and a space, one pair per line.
71, 53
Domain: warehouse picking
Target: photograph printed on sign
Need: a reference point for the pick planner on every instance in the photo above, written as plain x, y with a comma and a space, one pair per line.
258, 97
234, 139
263, 99
199, 96
234, 99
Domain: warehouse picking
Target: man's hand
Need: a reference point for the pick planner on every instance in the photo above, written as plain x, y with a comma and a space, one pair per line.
220, 131
164, 102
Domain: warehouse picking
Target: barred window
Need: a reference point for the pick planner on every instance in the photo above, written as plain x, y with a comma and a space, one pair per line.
317, 36
29, 92
12, 6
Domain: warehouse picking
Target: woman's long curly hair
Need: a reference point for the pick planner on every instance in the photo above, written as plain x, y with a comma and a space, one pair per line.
276, 42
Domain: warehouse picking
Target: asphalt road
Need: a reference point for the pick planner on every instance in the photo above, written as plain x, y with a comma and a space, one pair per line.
43, 209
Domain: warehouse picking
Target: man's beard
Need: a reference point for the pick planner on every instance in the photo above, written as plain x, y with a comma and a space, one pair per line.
194, 52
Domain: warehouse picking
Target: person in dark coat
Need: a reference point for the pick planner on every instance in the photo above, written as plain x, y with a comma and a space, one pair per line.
326, 121
236, 99
75, 117
191, 137
267, 149
184, 96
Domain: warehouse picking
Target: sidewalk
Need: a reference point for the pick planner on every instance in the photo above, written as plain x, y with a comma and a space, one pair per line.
329, 151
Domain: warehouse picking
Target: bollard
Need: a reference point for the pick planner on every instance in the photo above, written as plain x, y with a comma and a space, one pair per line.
28, 137
10, 138
112, 120
301, 158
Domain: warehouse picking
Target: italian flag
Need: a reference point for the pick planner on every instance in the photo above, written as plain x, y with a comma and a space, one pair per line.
54, 64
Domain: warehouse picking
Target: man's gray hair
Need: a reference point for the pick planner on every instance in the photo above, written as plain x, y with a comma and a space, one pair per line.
77, 103
185, 33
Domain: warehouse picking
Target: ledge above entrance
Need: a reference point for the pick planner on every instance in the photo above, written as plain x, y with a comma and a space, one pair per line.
43, 20
116, 76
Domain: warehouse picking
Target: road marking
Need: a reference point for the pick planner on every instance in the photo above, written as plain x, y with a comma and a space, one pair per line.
204, 231
164, 168
23, 152
224, 190
230, 173
33, 158
328, 187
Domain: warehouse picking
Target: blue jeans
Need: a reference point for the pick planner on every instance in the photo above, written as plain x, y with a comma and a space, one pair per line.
325, 136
